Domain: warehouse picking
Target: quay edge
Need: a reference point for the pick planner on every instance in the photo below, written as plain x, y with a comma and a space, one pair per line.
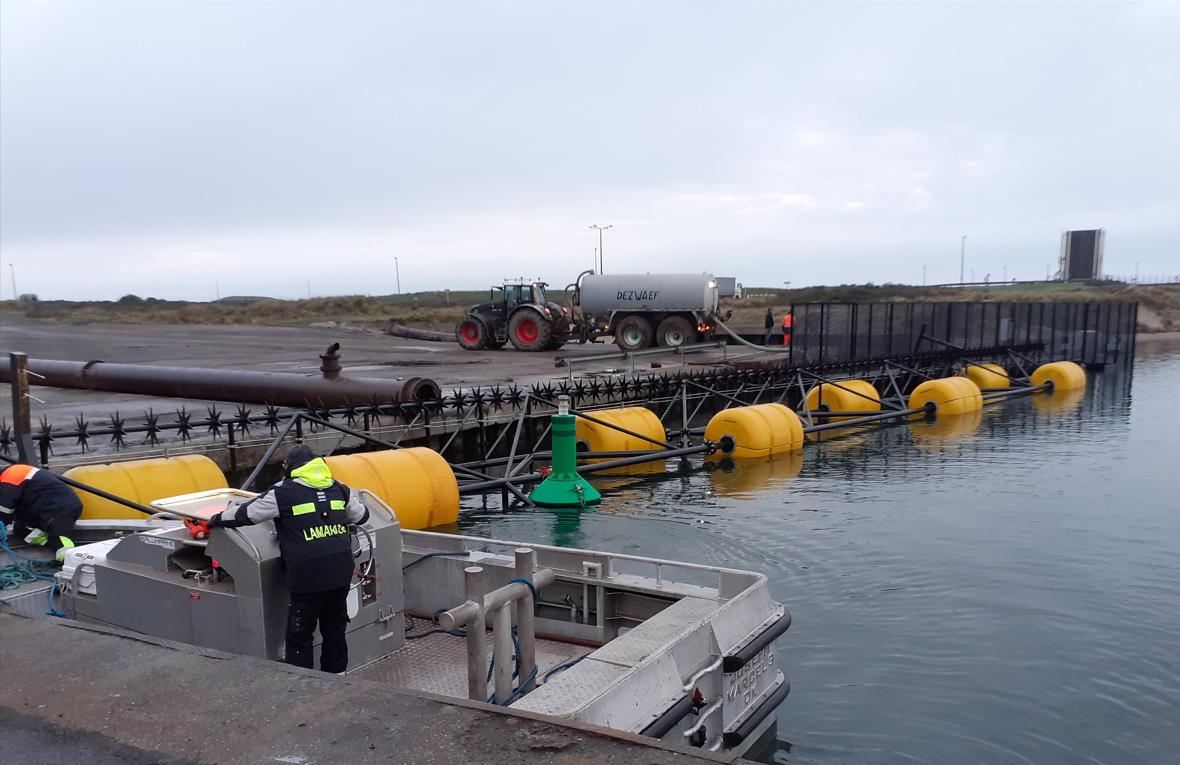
115, 697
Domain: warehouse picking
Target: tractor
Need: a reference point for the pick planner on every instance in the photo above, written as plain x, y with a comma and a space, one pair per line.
519, 312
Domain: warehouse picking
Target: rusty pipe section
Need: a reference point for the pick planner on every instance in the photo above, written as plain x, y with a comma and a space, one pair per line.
284, 389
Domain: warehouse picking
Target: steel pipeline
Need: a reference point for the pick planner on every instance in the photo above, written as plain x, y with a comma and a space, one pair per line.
245, 387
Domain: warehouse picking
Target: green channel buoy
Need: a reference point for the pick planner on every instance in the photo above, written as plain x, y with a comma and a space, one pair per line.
564, 488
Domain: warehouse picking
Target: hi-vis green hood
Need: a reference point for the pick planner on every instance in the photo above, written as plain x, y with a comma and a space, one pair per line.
314, 473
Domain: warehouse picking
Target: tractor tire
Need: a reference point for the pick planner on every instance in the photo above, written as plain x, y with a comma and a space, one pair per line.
633, 333
528, 330
472, 334
674, 332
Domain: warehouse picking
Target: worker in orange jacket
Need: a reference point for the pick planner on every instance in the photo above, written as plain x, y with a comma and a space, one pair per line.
788, 323
42, 509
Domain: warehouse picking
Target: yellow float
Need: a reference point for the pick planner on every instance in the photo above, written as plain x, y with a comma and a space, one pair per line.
988, 376
417, 483
600, 438
951, 395
143, 481
756, 431
1064, 375
844, 398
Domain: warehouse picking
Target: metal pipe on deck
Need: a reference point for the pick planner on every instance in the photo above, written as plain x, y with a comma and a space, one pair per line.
503, 651
477, 650
327, 389
526, 623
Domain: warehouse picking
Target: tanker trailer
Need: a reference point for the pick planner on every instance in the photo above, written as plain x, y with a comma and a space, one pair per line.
642, 309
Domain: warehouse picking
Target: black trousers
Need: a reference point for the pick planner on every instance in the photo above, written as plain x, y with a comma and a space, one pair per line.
61, 526
330, 610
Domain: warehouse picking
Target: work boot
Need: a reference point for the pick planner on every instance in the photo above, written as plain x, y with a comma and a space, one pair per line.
66, 544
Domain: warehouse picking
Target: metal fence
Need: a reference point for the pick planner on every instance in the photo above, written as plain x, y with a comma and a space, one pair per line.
1087, 333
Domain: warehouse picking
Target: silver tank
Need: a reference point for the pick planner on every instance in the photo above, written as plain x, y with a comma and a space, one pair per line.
602, 294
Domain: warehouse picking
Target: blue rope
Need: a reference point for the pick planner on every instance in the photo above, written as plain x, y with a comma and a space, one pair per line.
437, 555
536, 597
560, 667
520, 688
16, 561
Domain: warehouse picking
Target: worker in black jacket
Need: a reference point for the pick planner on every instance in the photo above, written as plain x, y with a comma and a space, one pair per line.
769, 326
311, 512
42, 509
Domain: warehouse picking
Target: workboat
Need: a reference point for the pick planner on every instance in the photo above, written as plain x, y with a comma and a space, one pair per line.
676, 651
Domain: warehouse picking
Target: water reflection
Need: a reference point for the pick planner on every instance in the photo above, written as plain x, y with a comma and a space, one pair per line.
997, 589
735, 478
1059, 402
945, 430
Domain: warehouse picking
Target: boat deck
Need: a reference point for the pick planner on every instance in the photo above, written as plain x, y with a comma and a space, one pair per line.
436, 662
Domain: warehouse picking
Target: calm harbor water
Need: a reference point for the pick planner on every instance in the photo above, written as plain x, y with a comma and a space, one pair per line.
1004, 589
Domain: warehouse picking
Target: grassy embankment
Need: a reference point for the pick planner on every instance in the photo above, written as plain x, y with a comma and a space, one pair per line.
1159, 305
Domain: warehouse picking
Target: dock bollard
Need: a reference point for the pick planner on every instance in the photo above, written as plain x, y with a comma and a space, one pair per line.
564, 488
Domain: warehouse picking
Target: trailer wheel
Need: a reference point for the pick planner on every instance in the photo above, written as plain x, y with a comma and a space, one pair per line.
472, 334
633, 333
674, 332
528, 330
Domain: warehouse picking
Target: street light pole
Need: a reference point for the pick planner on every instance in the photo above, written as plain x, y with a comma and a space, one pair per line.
397, 270
601, 267
14, 297
962, 259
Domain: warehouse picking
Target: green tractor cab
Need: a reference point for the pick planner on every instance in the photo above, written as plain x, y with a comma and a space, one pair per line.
519, 312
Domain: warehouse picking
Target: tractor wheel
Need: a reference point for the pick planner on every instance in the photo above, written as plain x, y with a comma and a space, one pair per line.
674, 332
633, 333
528, 330
472, 334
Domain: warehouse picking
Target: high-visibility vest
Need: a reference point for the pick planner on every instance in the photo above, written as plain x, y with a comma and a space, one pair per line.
788, 320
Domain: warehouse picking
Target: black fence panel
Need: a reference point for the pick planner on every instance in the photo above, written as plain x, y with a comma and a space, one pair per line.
839, 333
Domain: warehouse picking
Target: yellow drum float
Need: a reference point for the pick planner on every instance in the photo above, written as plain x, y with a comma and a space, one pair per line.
950, 395
143, 481
755, 431
417, 483
988, 375
1062, 375
846, 396
600, 438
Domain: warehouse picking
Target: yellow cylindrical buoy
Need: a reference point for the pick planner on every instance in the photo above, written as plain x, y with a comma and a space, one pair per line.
143, 481
599, 438
756, 431
988, 376
1064, 375
844, 398
416, 483
952, 395
637, 419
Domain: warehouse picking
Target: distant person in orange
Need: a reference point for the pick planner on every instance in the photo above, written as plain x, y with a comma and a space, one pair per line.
788, 322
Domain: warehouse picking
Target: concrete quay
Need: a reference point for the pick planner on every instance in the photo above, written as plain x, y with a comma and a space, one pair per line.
79, 693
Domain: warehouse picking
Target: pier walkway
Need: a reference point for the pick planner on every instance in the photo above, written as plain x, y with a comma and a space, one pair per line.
80, 693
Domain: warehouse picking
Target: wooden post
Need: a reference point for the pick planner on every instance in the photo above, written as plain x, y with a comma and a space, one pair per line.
21, 415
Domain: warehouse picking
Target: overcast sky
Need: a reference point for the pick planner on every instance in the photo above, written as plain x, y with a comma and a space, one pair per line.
160, 148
